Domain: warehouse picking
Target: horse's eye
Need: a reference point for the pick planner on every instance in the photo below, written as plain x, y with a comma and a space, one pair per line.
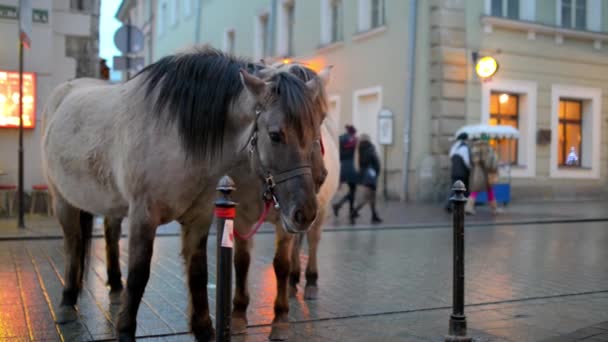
275, 137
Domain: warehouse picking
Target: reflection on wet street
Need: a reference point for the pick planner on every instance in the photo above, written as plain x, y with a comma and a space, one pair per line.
362, 273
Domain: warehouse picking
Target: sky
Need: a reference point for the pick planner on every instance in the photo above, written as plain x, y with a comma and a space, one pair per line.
108, 24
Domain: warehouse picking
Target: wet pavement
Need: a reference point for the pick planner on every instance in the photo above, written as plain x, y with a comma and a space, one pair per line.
523, 283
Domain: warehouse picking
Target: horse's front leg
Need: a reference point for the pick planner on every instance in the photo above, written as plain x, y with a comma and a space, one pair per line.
295, 269
312, 272
280, 324
194, 244
112, 236
242, 259
142, 229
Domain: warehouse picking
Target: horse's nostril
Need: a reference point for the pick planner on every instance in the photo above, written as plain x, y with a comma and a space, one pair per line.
298, 217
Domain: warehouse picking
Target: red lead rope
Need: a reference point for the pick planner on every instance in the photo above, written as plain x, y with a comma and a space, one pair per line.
257, 226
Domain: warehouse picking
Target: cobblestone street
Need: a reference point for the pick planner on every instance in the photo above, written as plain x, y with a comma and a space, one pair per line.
523, 283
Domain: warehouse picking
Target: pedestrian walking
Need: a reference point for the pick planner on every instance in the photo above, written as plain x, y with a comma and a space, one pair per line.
348, 172
366, 158
460, 159
484, 168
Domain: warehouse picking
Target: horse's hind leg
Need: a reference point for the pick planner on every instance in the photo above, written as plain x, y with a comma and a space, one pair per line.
112, 235
77, 227
242, 259
312, 273
142, 230
280, 324
295, 269
194, 245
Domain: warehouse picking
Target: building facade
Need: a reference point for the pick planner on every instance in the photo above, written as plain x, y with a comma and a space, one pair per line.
64, 45
415, 59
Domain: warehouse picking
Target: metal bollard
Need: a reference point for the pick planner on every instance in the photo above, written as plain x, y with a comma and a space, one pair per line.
458, 320
225, 212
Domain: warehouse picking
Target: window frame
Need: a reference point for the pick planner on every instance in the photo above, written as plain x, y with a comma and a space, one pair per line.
591, 131
500, 116
526, 145
589, 6
565, 122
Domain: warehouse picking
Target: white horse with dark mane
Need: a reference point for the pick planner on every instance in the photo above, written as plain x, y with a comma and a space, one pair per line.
154, 148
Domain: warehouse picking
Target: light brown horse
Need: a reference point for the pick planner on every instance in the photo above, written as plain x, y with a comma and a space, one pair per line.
154, 148
287, 254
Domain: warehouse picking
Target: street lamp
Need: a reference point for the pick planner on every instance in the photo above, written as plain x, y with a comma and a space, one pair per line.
485, 67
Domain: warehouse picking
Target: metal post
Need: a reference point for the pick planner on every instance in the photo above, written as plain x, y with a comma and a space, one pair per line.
224, 212
385, 176
458, 321
20, 219
128, 54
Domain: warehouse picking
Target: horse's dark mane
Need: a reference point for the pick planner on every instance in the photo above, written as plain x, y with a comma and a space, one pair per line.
306, 74
295, 100
196, 89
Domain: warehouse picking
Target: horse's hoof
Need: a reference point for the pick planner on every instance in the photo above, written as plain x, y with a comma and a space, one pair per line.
311, 292
115, 286
293, 291
66, 314
238, 325
126, 337
205, 336
279, 331
115, 297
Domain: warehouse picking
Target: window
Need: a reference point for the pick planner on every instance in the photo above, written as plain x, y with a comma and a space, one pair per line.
377, 12
262, 36
574, 14
569, 133
504, 110
336, 20
518, 109
174, 12
290, 27
162, 19
229, 41
285, 31
77, 5
575, 132
187, 8
505, 8
371, 14
331, 21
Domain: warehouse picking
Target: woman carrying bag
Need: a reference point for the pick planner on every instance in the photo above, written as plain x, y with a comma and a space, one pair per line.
484, 172
368, 162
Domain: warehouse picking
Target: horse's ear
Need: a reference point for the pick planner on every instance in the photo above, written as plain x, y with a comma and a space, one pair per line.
317, 84
255, 85
324, 75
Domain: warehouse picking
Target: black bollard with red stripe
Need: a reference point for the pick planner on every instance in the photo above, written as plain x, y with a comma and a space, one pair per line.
224, 212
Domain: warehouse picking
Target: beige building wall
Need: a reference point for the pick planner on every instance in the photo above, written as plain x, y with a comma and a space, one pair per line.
47, 59
539, 60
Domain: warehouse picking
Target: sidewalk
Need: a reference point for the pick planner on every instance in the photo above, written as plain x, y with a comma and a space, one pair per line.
396, 215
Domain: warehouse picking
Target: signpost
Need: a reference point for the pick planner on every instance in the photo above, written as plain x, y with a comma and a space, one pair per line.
25, 38
385, 138
129, 40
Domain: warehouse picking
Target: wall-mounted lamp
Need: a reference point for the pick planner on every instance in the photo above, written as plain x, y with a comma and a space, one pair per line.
485, 67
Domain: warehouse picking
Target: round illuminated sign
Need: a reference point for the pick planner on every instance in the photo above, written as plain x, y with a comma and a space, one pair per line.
486, 67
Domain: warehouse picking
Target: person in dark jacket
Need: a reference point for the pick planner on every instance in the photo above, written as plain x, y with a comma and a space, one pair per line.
348, 173
460, 158
369, 169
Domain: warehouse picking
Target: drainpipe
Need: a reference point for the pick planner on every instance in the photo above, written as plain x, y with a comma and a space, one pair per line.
197, 23
409, 96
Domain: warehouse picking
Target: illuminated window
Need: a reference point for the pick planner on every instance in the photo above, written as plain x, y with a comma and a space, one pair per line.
504, 110
9, 99
569, 133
